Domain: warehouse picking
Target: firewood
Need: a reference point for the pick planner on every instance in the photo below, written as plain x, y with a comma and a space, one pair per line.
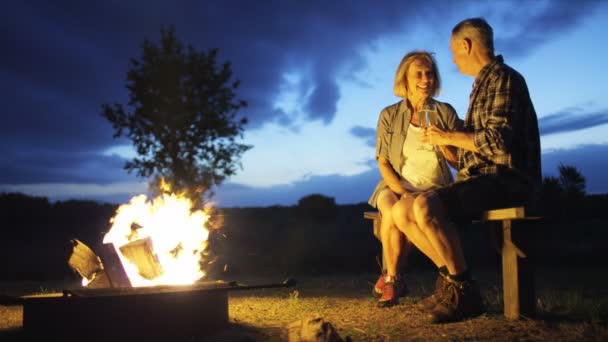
88, 265
141, 254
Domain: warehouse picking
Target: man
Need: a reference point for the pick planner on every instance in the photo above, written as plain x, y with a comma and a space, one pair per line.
498, 158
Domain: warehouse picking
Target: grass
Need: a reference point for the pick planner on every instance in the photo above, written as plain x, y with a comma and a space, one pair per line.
354, 313
574, 304
568, 313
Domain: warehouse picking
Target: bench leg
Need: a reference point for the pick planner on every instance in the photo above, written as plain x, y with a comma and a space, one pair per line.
518, 278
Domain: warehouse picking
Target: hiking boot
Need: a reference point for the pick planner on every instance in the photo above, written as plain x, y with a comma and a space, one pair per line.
459, 300
428, 303
389, 296
400, 287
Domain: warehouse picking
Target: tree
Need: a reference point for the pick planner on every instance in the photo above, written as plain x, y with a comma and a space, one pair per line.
183, 120
317, 207
563, 195
573, 185
572, 181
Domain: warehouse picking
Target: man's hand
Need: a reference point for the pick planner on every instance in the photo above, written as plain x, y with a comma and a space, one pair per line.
435, 136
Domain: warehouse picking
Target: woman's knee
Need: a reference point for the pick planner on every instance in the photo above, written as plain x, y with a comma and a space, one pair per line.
425, 207
400, 215
397, 211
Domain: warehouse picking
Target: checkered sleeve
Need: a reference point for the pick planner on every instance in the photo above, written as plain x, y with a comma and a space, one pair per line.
493, 133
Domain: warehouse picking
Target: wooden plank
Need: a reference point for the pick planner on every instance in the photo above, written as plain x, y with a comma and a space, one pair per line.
371, 215
377, 221
141, 253
83, 260
490, 215
112, 266
521, 236
88, 265
510, 274
504, 214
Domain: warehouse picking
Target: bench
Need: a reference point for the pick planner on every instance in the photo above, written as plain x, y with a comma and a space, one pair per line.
517, 270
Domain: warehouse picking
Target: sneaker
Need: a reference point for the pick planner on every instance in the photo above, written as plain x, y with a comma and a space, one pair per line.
400, 287
458, 301
389, 296
428, 303
377, 290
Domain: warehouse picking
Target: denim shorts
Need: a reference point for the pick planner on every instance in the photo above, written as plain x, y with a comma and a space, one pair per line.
465, 200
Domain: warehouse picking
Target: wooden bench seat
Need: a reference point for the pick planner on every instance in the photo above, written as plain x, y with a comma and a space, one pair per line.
517, 271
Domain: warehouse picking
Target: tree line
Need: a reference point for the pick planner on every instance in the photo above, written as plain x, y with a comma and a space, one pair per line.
316, 235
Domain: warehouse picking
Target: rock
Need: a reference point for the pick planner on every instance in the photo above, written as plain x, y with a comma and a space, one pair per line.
314, 329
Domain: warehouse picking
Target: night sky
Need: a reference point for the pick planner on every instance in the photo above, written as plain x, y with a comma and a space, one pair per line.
315, 74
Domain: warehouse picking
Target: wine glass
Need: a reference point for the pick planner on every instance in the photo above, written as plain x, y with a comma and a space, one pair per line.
427, 113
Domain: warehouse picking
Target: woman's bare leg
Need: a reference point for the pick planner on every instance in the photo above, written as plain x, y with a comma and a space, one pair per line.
391, 238
405, 221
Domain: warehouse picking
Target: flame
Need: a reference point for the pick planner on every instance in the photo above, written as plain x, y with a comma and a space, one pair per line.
177, 234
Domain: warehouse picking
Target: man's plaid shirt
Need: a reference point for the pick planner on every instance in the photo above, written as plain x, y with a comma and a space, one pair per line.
502, 117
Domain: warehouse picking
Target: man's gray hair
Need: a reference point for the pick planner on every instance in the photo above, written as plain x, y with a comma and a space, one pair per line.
476, 29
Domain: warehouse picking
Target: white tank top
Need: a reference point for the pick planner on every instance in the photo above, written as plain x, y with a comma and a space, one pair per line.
421, 170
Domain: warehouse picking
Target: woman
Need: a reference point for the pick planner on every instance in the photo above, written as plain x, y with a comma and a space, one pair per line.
408, 167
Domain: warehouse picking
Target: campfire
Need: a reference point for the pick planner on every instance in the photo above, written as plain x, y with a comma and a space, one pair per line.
159, 241
161, 247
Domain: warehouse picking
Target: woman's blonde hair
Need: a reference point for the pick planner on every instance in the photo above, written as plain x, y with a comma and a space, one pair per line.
400, 86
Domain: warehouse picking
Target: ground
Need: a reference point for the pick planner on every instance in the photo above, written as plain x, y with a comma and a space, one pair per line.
572, 306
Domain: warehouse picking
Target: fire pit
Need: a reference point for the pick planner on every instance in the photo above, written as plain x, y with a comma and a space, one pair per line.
148, 288
159, 313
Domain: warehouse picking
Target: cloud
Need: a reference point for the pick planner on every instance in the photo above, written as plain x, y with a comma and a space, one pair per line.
62, 59
322, 101
540, 22
570, 120
49, 166
117, 193
365, 133
345, 189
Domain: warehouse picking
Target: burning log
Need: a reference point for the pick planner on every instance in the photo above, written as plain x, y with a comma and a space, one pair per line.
141, 254
88, 265
97, 271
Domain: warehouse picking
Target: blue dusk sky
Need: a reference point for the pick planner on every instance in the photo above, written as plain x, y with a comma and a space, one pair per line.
316, 74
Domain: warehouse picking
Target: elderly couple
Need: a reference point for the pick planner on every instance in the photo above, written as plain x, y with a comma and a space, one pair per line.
496, 151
